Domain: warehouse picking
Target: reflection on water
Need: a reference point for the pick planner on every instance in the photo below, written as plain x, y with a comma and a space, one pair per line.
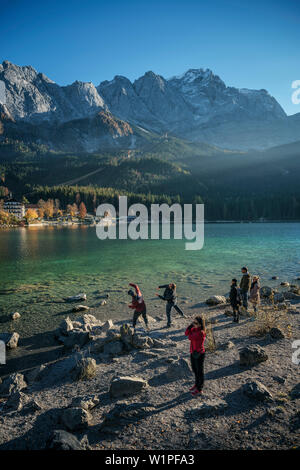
44, 265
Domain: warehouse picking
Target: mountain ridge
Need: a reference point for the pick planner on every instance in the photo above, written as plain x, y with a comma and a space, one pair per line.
195, 106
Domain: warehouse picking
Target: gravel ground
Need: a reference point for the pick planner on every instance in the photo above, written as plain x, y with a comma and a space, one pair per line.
166, 416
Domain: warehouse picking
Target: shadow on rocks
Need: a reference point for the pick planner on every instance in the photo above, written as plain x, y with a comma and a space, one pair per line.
37, 436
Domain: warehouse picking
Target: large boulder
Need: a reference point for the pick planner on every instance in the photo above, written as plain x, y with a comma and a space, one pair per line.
98, 342
266, 292
75, 338
125, 386
179, 369
85, 369
11, 340
76, 419
66, 326
35, 374
252, 355
16, 401
257, 391
108, 325
142, 342
63, 440
216, 300
89, 322
291, 296
276, 333
12, 384
126, 333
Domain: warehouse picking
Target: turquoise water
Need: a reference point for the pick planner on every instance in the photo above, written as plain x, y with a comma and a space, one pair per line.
41, 266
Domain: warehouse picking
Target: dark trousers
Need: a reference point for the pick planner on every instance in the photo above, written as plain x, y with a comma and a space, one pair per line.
136, 316
169, 307
198, 369
245, 295
236, 312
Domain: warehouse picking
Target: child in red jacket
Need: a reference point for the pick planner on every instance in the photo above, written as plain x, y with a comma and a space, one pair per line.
138, 305
196, 333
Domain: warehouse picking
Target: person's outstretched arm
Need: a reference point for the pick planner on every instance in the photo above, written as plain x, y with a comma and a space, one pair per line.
137, 289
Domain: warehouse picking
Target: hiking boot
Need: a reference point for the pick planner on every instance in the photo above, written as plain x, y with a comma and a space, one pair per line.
193, 388
196, 392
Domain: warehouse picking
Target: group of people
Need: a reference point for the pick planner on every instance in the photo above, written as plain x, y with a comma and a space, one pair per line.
139, 306
196, 332
247, 290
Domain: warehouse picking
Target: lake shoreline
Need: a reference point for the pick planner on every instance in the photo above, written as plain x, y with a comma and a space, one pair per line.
206, 222
158, 412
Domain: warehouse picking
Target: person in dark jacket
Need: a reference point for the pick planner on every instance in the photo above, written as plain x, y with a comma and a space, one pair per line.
196, 333
170, 297
139, 306
245, 286
235, 301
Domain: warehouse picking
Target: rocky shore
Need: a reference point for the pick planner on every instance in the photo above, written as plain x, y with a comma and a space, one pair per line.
112, 389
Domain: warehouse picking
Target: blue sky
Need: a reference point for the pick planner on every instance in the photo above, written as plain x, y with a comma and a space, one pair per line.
249, 44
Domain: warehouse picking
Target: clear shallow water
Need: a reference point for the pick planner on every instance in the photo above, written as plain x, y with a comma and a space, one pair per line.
41, 266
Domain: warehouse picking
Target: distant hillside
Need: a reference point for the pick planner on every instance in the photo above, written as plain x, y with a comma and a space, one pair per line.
232, 185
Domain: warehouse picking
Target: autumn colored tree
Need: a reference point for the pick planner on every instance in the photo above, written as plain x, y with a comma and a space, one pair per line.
82, 210
31, 214
72, 209
49, 208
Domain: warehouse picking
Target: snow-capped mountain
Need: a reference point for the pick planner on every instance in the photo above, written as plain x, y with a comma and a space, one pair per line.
197, 106
33, 97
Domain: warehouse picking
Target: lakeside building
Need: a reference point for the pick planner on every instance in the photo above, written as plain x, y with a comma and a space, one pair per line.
14, 207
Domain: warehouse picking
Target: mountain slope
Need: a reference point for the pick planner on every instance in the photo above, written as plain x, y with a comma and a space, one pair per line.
196, 106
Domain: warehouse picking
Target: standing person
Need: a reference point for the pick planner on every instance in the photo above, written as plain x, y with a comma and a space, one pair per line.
171, 299
254, 293
245, 286
196, 333
235, 300
139, 306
